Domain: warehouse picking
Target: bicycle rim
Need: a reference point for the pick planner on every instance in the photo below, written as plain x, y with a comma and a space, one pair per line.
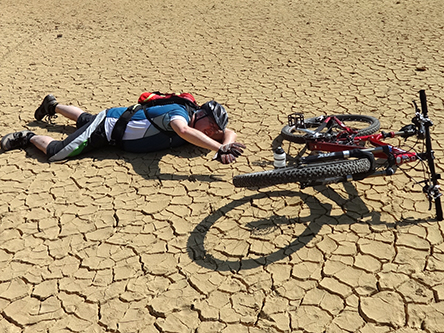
364, 125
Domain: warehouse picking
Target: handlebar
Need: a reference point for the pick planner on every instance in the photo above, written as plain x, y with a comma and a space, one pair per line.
420, 120
421, 128
425, 125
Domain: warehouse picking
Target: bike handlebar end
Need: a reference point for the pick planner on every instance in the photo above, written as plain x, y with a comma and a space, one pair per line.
423, 99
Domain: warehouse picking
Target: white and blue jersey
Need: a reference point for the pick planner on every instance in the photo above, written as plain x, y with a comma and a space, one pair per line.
94, 131
140, 135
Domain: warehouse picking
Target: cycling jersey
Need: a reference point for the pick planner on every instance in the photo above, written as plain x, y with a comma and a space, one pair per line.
141, 136
94, 131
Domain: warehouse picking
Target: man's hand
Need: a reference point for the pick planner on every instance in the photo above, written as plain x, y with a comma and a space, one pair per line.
229, 152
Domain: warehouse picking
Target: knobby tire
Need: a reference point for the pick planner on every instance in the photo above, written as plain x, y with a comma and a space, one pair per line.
303, 174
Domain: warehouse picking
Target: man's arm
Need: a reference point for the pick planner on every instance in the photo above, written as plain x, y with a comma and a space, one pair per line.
224, 142
228, 136
194, 136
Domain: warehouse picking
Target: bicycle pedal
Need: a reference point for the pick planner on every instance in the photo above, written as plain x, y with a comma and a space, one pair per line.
296, 119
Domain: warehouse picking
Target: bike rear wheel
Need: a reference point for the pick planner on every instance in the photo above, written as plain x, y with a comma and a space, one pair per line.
310, 173
365, 125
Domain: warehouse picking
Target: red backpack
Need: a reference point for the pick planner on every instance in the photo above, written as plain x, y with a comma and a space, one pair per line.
148, 99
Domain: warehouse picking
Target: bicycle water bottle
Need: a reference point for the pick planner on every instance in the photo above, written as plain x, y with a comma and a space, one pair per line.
279, 158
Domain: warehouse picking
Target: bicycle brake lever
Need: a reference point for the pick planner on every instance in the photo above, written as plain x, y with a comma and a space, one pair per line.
432, 192
408, 131
426, 189
416, 107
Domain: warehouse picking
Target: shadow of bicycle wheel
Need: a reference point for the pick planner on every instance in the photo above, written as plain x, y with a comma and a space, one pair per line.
226, 240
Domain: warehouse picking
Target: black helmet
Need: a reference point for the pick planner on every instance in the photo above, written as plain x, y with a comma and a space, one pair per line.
217, 112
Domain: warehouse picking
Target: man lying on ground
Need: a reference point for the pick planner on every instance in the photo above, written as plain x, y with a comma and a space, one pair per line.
157, 123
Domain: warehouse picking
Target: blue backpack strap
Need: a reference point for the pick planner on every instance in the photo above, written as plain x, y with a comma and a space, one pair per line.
148, 116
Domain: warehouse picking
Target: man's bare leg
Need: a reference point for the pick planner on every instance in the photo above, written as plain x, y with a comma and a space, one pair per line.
41, 142
69, 111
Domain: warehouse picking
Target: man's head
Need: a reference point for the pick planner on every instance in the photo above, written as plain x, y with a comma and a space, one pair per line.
211, 119
217, 112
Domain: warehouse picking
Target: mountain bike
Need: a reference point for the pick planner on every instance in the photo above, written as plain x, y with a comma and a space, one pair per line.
346, 148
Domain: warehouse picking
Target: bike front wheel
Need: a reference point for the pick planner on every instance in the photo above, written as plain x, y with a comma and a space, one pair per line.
364, 125
307, 174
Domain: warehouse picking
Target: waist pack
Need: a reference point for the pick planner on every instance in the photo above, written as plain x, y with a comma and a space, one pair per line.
145, 101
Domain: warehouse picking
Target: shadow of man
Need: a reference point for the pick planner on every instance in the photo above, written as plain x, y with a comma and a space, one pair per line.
144, 164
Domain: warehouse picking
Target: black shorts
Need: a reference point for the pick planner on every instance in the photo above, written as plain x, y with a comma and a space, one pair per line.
90, 134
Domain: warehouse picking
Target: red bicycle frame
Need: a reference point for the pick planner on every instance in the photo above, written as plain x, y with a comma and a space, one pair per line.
345, 145
400, 155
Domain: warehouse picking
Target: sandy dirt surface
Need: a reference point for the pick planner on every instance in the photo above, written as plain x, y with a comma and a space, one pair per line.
163, 242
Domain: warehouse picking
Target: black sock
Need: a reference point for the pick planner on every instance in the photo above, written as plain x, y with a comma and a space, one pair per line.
29, 136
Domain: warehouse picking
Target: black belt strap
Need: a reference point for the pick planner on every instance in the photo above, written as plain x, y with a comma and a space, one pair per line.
122, 122
120, 126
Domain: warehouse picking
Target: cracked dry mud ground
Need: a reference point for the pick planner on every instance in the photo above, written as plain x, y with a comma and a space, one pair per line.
163, 242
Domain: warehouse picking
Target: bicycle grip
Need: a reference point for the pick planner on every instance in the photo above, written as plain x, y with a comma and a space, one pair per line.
438, 208
423, 99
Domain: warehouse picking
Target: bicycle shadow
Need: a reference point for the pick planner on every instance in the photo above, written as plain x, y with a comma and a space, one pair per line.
355, 211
